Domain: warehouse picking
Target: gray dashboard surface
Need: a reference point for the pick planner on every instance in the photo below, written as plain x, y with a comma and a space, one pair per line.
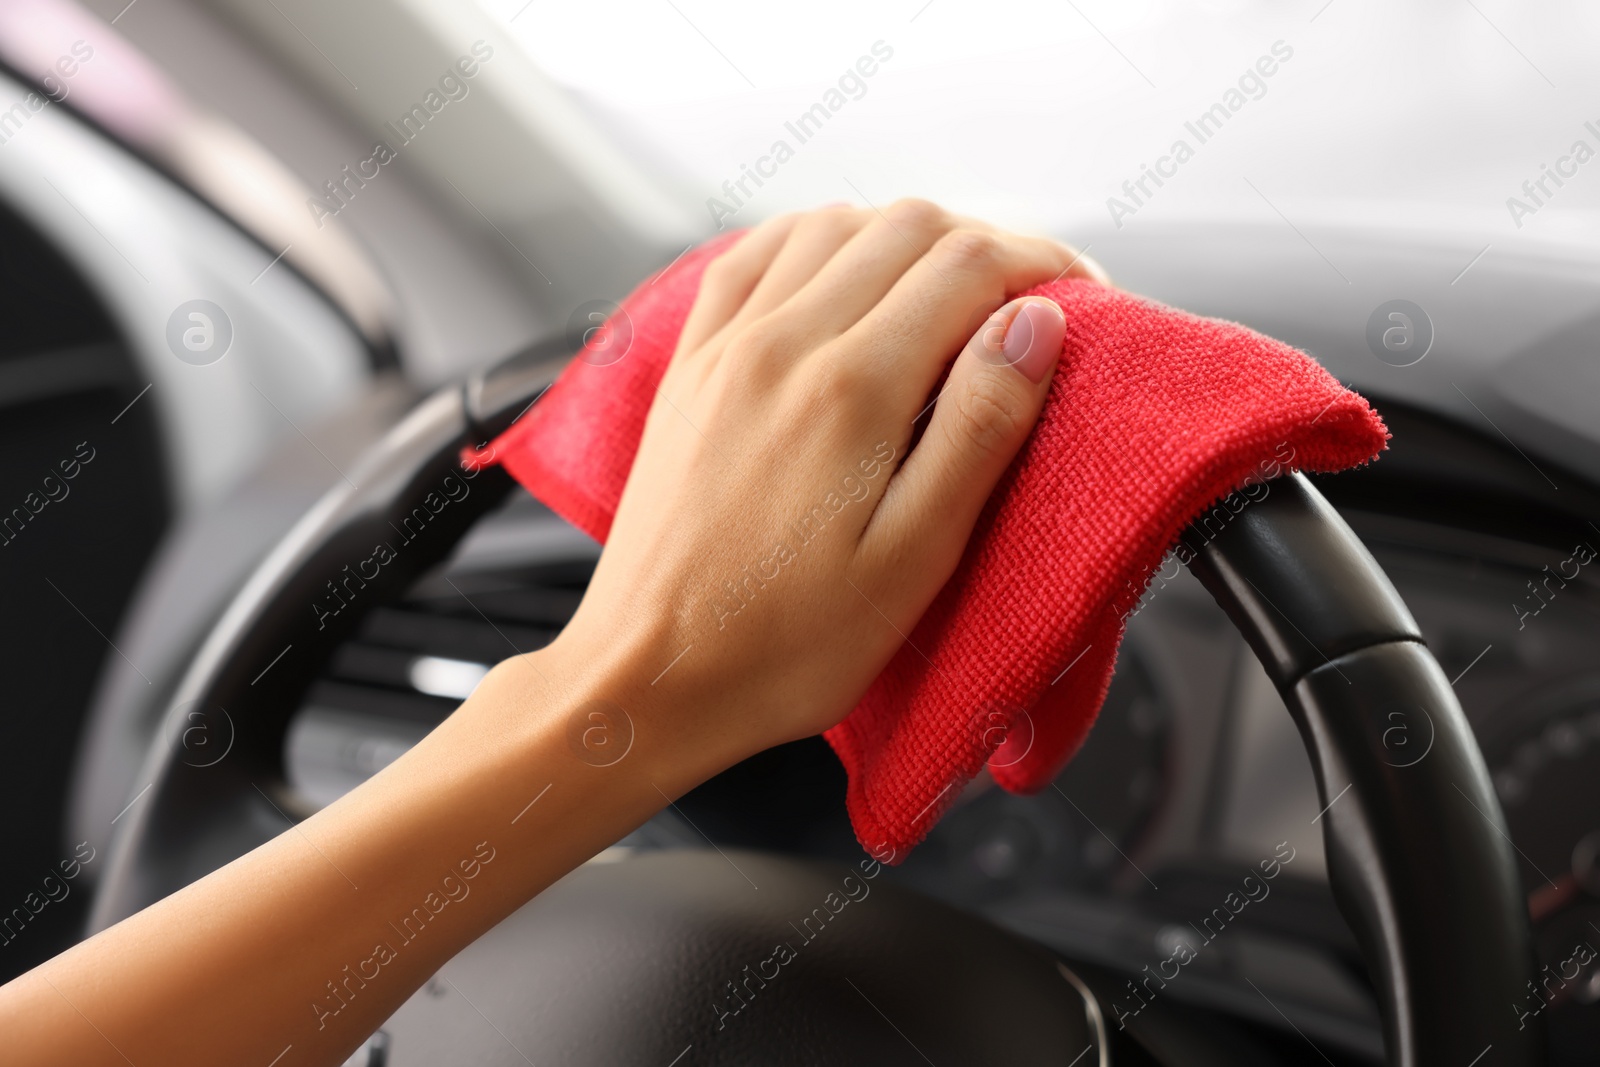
1515, 345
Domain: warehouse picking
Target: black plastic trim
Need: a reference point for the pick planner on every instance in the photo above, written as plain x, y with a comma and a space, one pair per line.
1418, 855
1295, 580
1417, 852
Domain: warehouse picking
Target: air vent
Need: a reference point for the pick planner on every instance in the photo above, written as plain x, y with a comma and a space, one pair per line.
510, 587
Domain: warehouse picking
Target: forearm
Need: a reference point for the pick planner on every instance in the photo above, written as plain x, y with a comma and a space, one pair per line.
316, 937
800, 375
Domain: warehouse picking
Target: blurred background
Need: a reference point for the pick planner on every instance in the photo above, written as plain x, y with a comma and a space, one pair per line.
240, 238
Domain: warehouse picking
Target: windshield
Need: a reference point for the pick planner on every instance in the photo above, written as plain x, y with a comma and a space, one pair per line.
1467, 114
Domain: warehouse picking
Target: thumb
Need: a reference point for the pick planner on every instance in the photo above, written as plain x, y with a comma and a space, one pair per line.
996, 389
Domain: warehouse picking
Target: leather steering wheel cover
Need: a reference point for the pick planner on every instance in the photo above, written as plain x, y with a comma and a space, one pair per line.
1417, 855
749, 959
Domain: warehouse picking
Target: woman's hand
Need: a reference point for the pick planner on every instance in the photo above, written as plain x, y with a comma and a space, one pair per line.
777, 538
779, 535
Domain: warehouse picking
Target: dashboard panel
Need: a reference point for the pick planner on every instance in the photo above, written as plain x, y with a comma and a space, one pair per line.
1193, 777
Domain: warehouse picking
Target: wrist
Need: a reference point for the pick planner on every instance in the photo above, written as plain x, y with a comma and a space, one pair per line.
604, 710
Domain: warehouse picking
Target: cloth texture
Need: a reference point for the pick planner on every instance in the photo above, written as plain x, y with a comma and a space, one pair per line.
1155, 415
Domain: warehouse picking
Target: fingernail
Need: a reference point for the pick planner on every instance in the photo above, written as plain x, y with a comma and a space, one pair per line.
1033, 340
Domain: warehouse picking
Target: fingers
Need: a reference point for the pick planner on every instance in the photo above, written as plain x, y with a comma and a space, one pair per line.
930, 312
731, 277
866, 268
826, 270
749, 288
905, 234
986, 410
811, 244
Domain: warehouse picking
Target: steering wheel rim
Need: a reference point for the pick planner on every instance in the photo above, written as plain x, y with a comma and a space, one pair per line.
1417, 851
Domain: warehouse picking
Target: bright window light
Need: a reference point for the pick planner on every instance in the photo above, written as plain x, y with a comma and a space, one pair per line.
1038, 114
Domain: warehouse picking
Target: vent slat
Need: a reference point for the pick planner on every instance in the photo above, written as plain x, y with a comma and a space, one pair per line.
469, 638
412, 707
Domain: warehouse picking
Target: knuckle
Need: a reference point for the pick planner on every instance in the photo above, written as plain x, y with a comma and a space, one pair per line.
840, 211
726, 270
846, 384
970, 250
838, 390
830, 222
779, 223
756, 342
902, 551
915, 214
989, 416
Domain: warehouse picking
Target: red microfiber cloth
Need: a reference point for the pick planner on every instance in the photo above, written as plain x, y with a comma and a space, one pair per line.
1154, 415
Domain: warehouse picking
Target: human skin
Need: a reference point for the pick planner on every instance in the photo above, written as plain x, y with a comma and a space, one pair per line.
811, 351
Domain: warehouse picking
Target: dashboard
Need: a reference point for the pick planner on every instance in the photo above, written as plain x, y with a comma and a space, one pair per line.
1485, 513
1193, 777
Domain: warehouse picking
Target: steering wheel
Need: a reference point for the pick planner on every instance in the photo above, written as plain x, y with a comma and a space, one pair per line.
672, 954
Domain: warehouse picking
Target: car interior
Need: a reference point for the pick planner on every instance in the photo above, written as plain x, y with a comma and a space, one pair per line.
267, 268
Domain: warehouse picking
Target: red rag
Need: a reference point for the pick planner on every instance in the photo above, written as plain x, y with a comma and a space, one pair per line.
1155, 414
